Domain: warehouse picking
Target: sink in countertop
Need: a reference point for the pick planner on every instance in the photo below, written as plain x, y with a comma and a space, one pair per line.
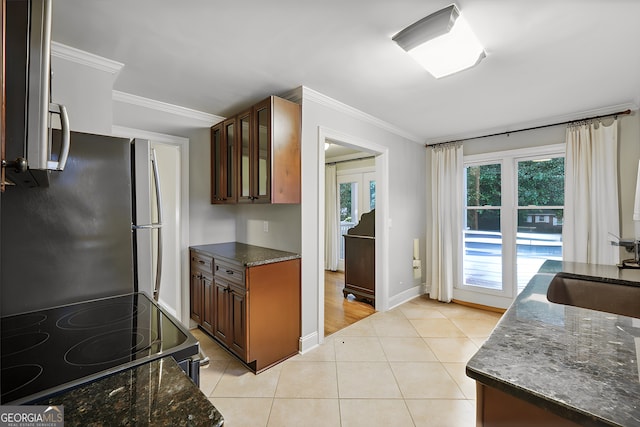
607, 296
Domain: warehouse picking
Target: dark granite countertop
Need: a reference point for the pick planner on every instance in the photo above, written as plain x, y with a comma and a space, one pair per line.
247, 255
155, 394
578, 363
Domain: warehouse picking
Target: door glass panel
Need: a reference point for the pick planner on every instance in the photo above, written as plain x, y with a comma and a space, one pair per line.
227, 180
540, 215
244, 156
216, 163
230, 172
482, 232
348, 210
263, 151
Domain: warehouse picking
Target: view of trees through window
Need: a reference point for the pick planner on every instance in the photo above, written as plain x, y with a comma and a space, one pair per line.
347, 198
538, 230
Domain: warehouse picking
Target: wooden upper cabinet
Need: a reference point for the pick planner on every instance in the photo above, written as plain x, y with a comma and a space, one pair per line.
224, 162
267, 163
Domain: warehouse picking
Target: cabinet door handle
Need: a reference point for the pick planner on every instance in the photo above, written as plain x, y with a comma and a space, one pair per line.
201, 261
229, 271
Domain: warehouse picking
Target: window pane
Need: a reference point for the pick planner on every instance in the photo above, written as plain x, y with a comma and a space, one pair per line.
348, 210
539, 238
483, 249
483, 185
541, 182
372, 195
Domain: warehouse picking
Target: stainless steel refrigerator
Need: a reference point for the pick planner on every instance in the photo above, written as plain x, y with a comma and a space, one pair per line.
77, 239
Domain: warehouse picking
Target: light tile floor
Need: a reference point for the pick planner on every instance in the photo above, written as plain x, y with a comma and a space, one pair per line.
405, 367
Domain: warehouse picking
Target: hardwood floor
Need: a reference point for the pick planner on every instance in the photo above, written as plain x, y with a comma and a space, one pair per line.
340, 312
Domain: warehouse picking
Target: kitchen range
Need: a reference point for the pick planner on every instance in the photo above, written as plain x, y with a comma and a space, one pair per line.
79, 296
49, 351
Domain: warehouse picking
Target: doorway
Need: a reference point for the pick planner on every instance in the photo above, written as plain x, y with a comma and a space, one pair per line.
172, 154
379, 159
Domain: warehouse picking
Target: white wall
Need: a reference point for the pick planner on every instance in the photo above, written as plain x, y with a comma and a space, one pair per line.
283, 226
406, 199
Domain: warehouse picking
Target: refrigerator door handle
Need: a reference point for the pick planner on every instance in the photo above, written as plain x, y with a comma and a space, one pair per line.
158, 225
155, 225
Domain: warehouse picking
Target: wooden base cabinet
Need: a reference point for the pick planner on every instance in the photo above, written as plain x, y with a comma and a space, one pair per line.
201, 291
252, 311
498, 409
230, 308
273, 313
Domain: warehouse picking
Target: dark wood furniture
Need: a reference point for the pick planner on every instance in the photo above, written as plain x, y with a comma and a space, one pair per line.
255, 155
360, 259
253, 311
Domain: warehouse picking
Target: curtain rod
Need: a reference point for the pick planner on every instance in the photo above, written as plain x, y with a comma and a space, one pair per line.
619, 113
350, 160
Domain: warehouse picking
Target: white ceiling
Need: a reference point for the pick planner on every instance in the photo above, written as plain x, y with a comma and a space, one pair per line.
546, 59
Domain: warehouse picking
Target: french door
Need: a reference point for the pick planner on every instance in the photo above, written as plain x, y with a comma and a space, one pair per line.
357, 195
514, 204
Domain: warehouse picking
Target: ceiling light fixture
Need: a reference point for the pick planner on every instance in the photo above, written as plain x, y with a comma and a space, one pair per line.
442, 43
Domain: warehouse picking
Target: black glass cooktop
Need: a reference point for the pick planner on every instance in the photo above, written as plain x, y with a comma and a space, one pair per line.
49, 351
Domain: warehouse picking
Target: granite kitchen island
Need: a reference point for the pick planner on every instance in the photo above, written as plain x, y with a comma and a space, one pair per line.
567, 365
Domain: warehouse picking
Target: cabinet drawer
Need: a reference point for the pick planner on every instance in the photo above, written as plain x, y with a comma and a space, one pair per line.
202, 262
229, 272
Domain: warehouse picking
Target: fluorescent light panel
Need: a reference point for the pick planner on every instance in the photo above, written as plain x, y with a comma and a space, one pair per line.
443, 43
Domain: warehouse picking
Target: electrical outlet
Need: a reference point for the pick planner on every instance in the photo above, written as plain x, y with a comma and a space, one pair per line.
265, 226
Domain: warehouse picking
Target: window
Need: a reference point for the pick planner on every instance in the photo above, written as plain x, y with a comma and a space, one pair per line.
514, 204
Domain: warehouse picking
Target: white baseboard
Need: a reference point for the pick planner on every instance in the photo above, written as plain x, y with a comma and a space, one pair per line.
405, 296
308, 342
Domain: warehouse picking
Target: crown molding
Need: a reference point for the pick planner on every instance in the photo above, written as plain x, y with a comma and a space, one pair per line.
127, 98
549, 121
127, 132
78, 56
308, 93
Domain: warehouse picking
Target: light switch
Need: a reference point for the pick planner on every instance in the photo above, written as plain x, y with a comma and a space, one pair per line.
265, 226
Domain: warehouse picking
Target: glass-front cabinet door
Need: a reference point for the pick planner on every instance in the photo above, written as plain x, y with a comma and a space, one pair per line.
216, 163
223, 162
262, 152
244, 138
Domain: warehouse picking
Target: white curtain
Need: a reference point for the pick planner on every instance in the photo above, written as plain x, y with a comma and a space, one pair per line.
591, 193
445, 221
331, 219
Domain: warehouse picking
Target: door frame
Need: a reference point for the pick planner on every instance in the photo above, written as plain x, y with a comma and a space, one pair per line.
182, 144
382, 216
